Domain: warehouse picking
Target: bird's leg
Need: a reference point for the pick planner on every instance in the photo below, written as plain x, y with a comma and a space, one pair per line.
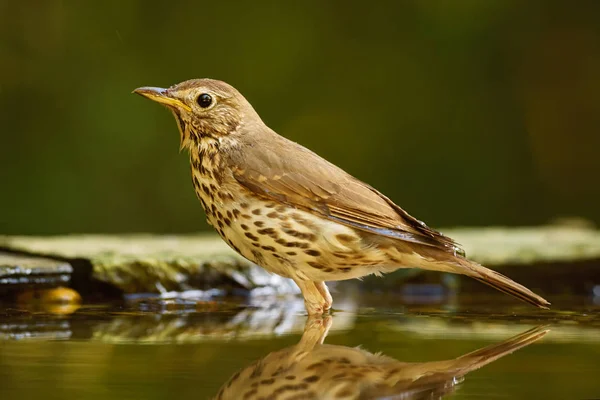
314, 301
315, 331
322, 288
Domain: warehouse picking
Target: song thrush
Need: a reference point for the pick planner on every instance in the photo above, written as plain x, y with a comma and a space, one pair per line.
313, 370
285, 208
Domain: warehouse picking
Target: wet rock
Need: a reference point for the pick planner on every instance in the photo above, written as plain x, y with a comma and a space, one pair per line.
160, 264
155, 264
19, 270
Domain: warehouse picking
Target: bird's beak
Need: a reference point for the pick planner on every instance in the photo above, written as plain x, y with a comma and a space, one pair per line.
161, 96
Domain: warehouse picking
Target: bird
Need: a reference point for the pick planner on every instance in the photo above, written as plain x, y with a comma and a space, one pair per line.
285, 208
313, 370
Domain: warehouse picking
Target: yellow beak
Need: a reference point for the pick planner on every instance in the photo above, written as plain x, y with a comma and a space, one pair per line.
161, 96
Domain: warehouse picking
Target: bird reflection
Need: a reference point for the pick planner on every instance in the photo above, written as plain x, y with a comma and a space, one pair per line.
313, 370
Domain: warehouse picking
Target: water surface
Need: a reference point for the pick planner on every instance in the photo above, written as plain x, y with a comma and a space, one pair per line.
184, 349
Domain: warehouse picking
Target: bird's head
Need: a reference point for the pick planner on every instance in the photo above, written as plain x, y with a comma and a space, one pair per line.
205, 109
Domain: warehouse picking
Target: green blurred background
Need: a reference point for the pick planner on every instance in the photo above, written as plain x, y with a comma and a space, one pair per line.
479, 112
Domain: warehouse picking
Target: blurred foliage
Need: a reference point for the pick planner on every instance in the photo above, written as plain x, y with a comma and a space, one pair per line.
466, 112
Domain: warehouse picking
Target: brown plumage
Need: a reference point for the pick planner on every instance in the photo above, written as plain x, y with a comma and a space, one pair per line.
285, 208
313, 370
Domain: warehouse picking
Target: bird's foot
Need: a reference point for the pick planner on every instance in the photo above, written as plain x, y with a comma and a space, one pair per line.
317, 299
316, 310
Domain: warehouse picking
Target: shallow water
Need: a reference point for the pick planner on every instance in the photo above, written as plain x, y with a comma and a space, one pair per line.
163, 349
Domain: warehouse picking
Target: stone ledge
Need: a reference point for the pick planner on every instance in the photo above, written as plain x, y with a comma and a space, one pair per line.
159, 263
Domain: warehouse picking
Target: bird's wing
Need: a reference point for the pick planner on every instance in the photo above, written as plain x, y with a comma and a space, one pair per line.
287, 173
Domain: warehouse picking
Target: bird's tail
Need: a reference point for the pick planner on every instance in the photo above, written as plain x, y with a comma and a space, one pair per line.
476, 359
435, 259
500, 282
439, 377
491, 353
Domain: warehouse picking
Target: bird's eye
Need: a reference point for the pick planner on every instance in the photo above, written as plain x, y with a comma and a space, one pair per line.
204, 100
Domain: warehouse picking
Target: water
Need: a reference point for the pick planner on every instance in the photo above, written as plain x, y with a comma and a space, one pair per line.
151, 349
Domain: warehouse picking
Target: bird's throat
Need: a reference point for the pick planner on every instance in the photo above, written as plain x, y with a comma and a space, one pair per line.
205, 159
184, 135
